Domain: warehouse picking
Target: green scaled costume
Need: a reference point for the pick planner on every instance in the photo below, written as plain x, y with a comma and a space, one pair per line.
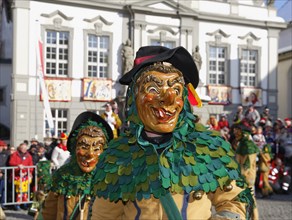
72, 188
71, 180
192, 159
246, 147
71, 195
44, 175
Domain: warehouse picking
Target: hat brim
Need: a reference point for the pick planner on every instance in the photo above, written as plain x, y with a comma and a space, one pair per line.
179, 57
84, 117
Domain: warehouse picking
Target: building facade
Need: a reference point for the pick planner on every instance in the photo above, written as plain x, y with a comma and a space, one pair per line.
285, 63
76, 51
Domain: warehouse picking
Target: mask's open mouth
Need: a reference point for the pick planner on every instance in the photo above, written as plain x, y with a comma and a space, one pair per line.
88, 163
163, 115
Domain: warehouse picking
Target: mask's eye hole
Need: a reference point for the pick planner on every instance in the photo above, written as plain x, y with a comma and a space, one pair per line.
152, 90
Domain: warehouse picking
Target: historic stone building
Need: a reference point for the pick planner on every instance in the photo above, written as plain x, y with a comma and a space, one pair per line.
285, 64
85, 46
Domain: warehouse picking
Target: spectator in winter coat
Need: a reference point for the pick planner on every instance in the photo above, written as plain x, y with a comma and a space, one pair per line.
22, 175
112, 119
223, 122
266, 114
239, 115
252, 115
3, 163
21, 158
34, 153
213, 123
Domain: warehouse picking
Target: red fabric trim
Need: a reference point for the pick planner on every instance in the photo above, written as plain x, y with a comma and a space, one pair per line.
139, 60
192, 98
63, 147
261, 182
41, 55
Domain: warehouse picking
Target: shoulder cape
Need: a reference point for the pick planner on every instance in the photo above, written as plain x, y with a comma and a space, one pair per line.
246, 147
193, 159
69, 180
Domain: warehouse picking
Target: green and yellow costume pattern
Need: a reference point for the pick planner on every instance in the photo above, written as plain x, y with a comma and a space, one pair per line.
192, 159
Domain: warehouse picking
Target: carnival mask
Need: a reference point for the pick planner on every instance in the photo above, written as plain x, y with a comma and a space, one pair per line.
237, 133
90, 144
159, 100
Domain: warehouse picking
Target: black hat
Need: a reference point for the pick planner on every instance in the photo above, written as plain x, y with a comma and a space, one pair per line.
83, 118
179, 57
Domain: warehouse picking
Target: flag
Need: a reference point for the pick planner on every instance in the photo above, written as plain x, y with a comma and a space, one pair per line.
40, 73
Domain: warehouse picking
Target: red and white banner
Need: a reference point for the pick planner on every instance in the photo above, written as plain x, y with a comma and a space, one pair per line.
40, 73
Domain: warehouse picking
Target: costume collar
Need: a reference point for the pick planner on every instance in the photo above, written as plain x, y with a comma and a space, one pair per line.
70, 180
157, 140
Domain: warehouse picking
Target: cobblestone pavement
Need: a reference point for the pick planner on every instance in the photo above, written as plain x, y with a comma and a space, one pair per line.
278, 207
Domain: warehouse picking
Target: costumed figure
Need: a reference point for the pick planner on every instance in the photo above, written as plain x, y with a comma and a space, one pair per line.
112, 119
166, 166
246, 155
44, 180
264, 170
71, 194
22, 183
279, 176
60, 153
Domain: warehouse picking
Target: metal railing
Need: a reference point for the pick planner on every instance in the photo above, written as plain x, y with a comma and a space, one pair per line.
19, 184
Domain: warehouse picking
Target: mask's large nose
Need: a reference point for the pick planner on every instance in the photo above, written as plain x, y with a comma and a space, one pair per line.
168, 96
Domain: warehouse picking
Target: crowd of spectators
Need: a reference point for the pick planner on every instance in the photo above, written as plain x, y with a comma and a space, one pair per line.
27, 155
272, 136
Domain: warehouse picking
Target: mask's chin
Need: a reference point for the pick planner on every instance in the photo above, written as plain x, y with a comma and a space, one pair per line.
85, 166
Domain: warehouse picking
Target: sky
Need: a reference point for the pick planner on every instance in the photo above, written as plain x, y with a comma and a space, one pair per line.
279, 3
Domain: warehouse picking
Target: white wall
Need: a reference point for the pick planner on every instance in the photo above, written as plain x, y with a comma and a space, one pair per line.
78, 23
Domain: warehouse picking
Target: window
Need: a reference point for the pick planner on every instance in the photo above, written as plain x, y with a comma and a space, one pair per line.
57, 53
168, 44
217, 65
60, 119
248, 67
98, 56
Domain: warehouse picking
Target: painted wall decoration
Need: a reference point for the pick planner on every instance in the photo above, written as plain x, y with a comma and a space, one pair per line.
97, 89
58, 89
219, 95
251, 96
